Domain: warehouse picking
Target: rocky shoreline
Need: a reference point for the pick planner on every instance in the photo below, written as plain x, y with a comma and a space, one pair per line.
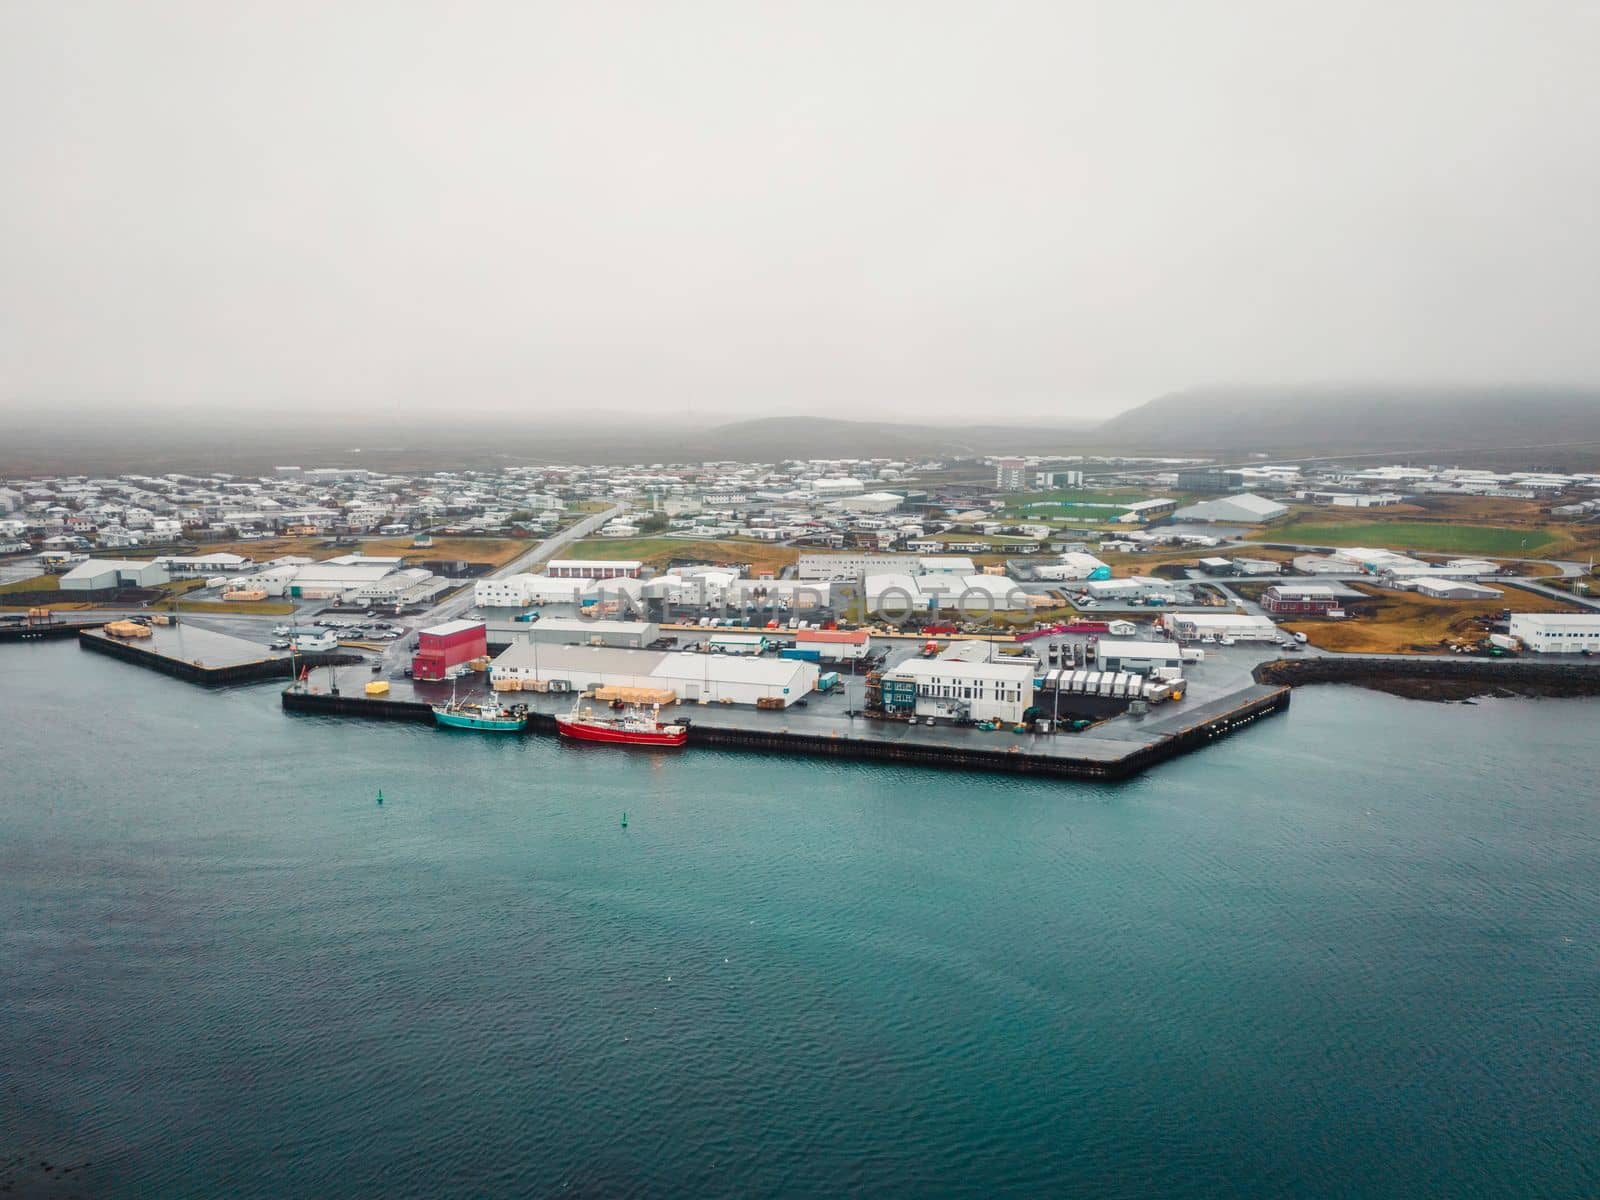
1451, 680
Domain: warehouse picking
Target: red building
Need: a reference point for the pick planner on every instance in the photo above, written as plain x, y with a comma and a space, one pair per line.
1303, 600
445, 647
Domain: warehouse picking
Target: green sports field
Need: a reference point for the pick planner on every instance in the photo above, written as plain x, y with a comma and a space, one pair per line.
1413, 535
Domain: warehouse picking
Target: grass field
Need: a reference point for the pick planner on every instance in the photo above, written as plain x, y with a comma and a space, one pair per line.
1405, 623
496, 551
659, 551
39, 583
1441, 538
1020, 500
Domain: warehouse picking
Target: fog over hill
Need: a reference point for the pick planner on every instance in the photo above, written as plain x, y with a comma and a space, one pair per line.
1334, 418
1230, 422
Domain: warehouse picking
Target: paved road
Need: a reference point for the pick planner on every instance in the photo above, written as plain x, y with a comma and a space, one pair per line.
397, 652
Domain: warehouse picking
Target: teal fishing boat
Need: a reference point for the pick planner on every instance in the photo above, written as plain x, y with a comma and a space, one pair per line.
490, 716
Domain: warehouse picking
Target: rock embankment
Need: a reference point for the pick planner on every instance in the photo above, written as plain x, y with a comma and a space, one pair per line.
1440, 679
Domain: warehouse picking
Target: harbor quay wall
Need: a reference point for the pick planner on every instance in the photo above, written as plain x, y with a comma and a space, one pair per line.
248, 672
369, 708
776, 741
1438, 678
56, 629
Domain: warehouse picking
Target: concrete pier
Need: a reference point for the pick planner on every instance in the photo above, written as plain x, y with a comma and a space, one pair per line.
1126, 752
200, 656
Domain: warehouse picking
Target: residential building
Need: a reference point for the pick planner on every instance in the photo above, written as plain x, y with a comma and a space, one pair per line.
1010, 475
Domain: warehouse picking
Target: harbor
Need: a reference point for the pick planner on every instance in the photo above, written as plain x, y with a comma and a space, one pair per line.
203, 656
828, 726
1106, 739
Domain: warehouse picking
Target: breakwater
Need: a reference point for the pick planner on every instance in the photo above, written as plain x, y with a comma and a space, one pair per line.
1438, 678
191, 671
55, 629
1058, 754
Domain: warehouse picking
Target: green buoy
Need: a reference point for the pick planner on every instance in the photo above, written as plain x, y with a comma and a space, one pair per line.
380, 795
624, 820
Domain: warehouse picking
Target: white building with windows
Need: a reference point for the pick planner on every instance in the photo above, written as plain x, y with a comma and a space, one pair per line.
1557, 633
957, 690
847, 566
1188, 626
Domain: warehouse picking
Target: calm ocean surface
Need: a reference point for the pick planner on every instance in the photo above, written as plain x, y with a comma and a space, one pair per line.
1354, 951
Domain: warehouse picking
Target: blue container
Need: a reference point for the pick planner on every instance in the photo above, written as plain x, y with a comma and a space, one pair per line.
804, 655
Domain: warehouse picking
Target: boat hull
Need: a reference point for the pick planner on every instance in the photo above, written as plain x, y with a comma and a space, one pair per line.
481, 724
581, 731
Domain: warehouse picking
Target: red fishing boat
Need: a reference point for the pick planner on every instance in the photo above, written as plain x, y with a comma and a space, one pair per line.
629, 726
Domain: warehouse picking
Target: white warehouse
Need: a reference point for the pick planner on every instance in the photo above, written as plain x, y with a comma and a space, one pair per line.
1188, 626
1141, 657
1557, 633
697, 678
1243, 509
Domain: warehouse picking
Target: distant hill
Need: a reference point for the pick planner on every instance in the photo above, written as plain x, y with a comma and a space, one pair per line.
770, 438
1351, 418
248, 444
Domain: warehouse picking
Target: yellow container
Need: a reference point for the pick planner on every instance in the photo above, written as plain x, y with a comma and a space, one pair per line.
378, 687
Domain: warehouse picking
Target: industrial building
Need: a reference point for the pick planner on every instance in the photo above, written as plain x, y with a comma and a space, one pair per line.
737, 643
599, 568
1134, 587
950, 687
1244, 509
323, 580
444, 649
409, 585
1208, 479
568, 631
1557, 633
315, 641
1149, 510
1190, 626
695, 678
1074, 564
1139, 657
977, 594
1257, 566
1449, 589
1318, 564
1375, 561
846, 566
519, 591
198, 566
869, 502
98, 574
834, 645
1307, 599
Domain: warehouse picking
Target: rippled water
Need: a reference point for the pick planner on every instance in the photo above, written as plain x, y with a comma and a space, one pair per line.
1350, 952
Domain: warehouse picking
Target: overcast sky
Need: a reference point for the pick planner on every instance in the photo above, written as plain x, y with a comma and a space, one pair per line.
863, 209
